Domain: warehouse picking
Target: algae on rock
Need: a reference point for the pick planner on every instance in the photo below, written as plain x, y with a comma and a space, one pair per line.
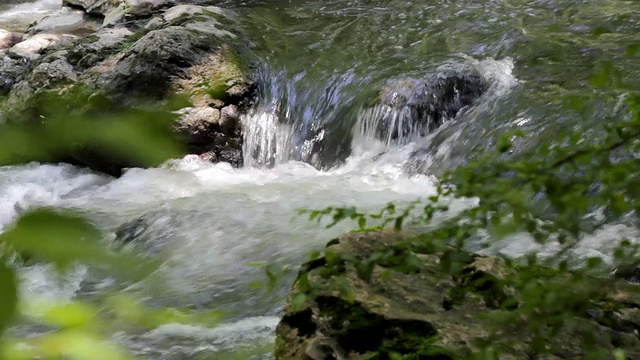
441, 312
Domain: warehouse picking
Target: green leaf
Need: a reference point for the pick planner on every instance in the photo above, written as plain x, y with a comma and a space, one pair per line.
271, 276
55, 237
8, 296
619, 354
594, 262
504, 229
314, 214
79, 345
633, 50
255, 264
63, 238
398, 223
68, 315
604, 76
298, 301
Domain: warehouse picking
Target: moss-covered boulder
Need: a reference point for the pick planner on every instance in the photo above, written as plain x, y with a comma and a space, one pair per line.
142, 62
382, 295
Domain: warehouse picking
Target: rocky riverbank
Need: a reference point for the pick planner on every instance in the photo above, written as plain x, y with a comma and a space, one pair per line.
108, 56
415, 302
93, 58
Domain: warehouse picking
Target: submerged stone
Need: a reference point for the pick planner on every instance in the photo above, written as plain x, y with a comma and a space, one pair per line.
416, 107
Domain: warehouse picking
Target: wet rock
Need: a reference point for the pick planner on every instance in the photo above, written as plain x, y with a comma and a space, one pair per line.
409, 107
10, 69
413, 304
34, 46
65, 21
95, 7
52, 71
103, 7
213, 134
230, 120
630, 273
91, 50
8, 39
400, 111
149, 233
194, 52
198, 125
132, 230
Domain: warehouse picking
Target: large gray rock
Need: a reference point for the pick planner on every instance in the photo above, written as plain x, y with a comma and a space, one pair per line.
399, 111
412, 304
33, 47
65, 21
192, 51
409, 107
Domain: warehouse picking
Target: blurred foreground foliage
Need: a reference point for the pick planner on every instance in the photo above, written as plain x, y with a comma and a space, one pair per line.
77, 329
571, 186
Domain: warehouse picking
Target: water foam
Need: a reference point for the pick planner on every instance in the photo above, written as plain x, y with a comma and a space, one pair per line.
18, 17
401, 129
34, 185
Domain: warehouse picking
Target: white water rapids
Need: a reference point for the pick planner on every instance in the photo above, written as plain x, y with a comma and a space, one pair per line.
208, 221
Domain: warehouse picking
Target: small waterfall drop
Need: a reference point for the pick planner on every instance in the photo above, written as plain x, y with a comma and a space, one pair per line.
295, 115
391, 125
267, 142
321, 123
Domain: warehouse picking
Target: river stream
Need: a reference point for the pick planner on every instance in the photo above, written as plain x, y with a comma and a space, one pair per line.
209, 221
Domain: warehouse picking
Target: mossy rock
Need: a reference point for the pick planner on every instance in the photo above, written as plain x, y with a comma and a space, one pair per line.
195, 54
442, 311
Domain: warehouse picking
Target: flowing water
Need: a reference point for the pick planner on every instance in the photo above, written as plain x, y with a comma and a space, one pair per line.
17, 15
322, 59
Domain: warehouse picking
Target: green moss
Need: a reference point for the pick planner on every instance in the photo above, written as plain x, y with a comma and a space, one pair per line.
239, 55
334, 241
217, 90
366, 229
222, 19
132, 39
359, 330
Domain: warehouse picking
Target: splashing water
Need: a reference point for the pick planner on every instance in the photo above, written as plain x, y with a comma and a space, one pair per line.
18, 16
